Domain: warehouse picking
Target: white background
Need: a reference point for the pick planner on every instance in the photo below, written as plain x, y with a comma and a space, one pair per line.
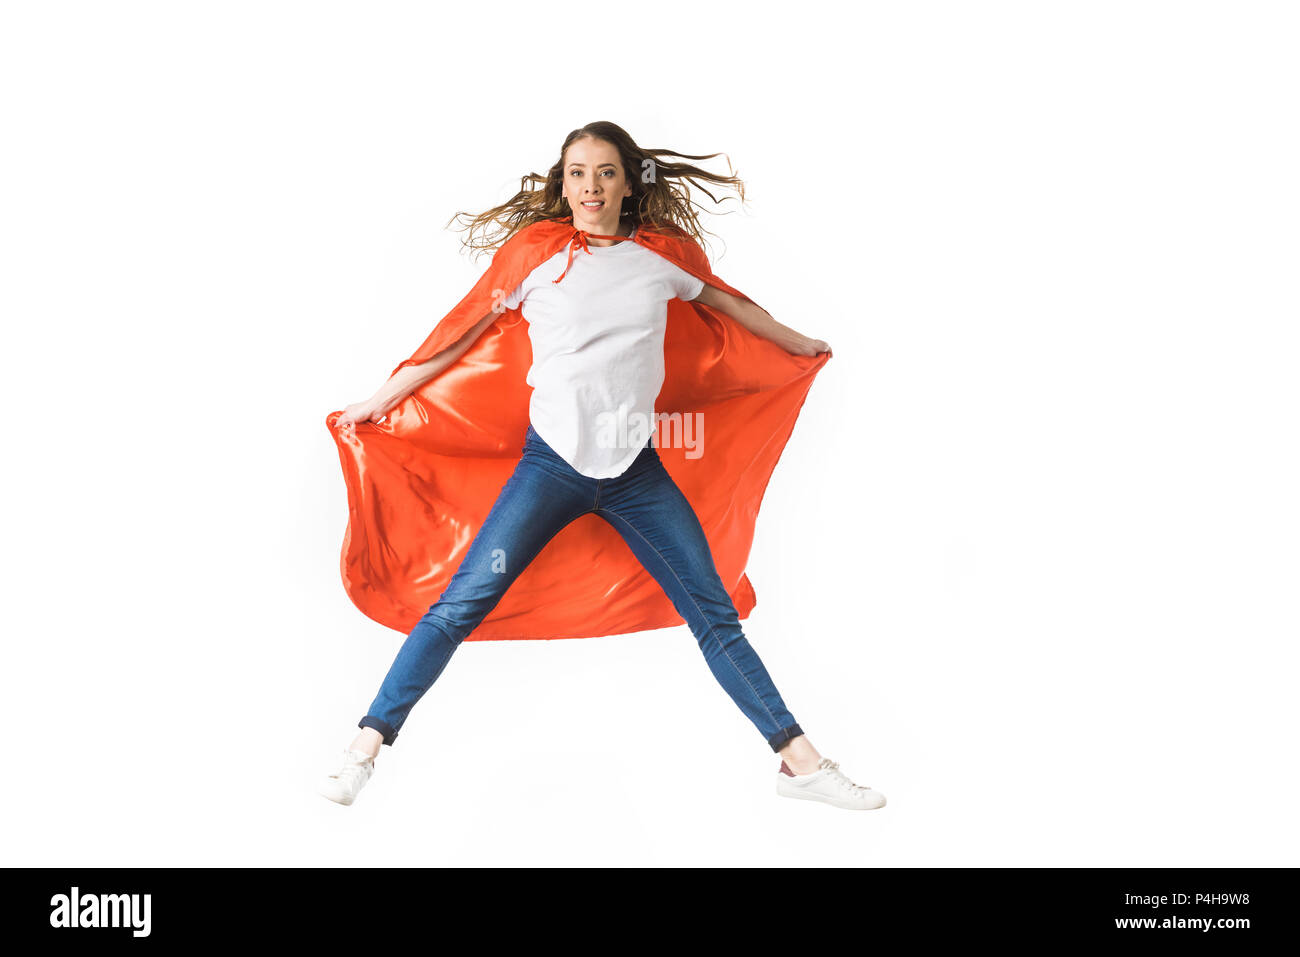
1028, 564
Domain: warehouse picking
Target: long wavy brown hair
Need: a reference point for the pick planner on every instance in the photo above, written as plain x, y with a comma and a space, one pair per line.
659, 197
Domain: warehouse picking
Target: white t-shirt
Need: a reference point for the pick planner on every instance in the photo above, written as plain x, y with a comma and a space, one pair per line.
598, 350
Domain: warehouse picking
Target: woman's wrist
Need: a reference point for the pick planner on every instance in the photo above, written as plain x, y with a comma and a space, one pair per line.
391, 393
791, 341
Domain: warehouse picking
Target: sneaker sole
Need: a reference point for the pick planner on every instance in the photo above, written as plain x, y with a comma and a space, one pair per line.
801, 795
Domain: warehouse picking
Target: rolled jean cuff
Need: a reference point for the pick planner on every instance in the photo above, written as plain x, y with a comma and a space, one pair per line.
380, 725
779, 740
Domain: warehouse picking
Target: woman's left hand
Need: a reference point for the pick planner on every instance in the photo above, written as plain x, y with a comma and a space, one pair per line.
804, 346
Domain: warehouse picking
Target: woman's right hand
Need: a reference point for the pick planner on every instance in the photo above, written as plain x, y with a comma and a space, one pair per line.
359, 412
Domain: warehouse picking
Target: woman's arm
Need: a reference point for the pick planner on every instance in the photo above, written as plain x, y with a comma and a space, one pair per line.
409, 378
758, 321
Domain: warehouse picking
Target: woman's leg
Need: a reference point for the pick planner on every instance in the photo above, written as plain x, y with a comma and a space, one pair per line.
656, 520
534, 505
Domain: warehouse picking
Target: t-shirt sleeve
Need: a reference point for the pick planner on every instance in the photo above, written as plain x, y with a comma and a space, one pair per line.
515, 297
684, 285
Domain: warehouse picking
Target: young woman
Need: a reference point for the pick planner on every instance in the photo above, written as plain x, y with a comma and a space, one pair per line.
597, 336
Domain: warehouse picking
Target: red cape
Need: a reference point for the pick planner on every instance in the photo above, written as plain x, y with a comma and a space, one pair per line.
420, 485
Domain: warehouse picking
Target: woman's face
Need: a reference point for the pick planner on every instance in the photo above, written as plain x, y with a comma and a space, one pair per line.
594, 185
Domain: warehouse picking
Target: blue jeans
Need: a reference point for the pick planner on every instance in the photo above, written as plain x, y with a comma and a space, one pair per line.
542, 496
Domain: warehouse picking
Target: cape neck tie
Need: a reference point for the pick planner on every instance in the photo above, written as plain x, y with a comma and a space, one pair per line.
579, 238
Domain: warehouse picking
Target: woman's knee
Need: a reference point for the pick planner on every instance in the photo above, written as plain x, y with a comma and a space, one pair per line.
459, 611
452, 626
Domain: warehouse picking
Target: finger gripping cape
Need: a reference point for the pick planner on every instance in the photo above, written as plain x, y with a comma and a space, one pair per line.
420, 484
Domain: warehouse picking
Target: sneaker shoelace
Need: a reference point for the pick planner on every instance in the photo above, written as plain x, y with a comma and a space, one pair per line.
835, 774
352, 773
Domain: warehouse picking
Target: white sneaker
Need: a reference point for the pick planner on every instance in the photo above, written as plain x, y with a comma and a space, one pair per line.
829, 785
343, 787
